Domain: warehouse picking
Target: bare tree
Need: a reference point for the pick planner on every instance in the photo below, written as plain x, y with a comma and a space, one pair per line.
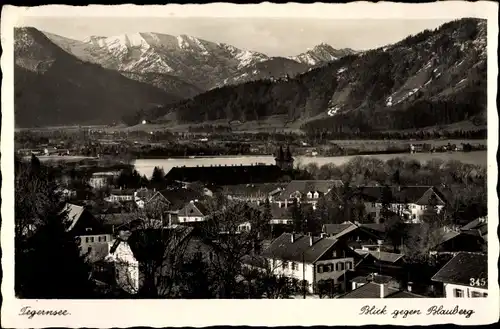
159, 251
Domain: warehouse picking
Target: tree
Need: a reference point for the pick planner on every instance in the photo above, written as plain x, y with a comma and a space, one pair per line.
160, 253
422, 239
158, 178
48, 259
231, 245
298, 220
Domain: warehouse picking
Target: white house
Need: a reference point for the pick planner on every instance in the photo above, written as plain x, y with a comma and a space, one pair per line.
309, 258
125, 264
121, 195
464, 276
306, 191
194, 211
101, 179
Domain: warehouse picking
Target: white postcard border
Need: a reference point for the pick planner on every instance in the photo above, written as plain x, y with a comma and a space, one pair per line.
200, 313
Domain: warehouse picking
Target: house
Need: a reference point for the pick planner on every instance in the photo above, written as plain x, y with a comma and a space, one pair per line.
223, 175
90, 231
306, 191
120, 195
102, 179
309, 258
380, 261
175, 198
464, 276
194, 211
409, 202
452, 241
478, 226
353, 233
256, 193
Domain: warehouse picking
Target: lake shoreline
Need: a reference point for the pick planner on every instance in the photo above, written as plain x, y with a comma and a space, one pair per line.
145, 166
297, 155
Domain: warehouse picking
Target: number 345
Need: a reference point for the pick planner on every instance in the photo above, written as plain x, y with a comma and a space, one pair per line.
477, 282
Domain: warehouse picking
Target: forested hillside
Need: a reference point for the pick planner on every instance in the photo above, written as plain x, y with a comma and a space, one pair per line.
433, 78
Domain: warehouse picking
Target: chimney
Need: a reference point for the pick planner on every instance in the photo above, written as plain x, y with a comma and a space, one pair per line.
409, 286
293, 237
384, 291
310, 240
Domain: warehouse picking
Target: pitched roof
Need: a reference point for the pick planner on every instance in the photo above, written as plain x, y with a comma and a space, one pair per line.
461, 268
226, 175
334, 229
476, 224
403, 194
194, 208
305, 186
251, 190
372, 290
179, 196
300, 250
74, 213
384, 256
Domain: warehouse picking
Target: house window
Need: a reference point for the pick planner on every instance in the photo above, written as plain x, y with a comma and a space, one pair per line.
476, 294
294, 266
91, 239
316, 195
284, 265
458, 293
334, 253
99, 239
87, 240
320, 268
348, 266
327, 268
89, 249
485, 294
104, 238
309, 195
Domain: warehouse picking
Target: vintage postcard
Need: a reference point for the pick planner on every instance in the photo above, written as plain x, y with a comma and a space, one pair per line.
270, 165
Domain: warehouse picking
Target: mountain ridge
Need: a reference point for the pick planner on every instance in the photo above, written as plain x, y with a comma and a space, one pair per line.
434, 77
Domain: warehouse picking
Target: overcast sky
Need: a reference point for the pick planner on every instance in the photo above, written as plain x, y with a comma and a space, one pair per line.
274, 37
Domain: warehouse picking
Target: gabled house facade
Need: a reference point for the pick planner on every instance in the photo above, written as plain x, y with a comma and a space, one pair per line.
90, 231
193, 212
309, 258
306, 191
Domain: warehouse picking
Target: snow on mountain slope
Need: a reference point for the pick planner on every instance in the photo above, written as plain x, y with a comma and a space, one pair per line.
321, 54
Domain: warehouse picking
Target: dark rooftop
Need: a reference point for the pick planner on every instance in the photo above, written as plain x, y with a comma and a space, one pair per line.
461, 268
299, 250
226, 175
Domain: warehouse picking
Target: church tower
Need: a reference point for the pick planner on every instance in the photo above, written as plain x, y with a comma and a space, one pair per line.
284, 160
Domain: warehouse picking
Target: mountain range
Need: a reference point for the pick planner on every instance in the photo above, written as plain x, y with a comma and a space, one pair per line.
163, 69
437, 77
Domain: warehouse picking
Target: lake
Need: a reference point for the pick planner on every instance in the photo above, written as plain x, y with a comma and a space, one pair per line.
146, 166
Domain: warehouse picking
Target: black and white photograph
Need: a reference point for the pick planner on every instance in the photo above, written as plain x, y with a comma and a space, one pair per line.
250, 158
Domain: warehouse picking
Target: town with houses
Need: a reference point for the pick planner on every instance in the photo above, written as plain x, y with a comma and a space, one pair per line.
347, 256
